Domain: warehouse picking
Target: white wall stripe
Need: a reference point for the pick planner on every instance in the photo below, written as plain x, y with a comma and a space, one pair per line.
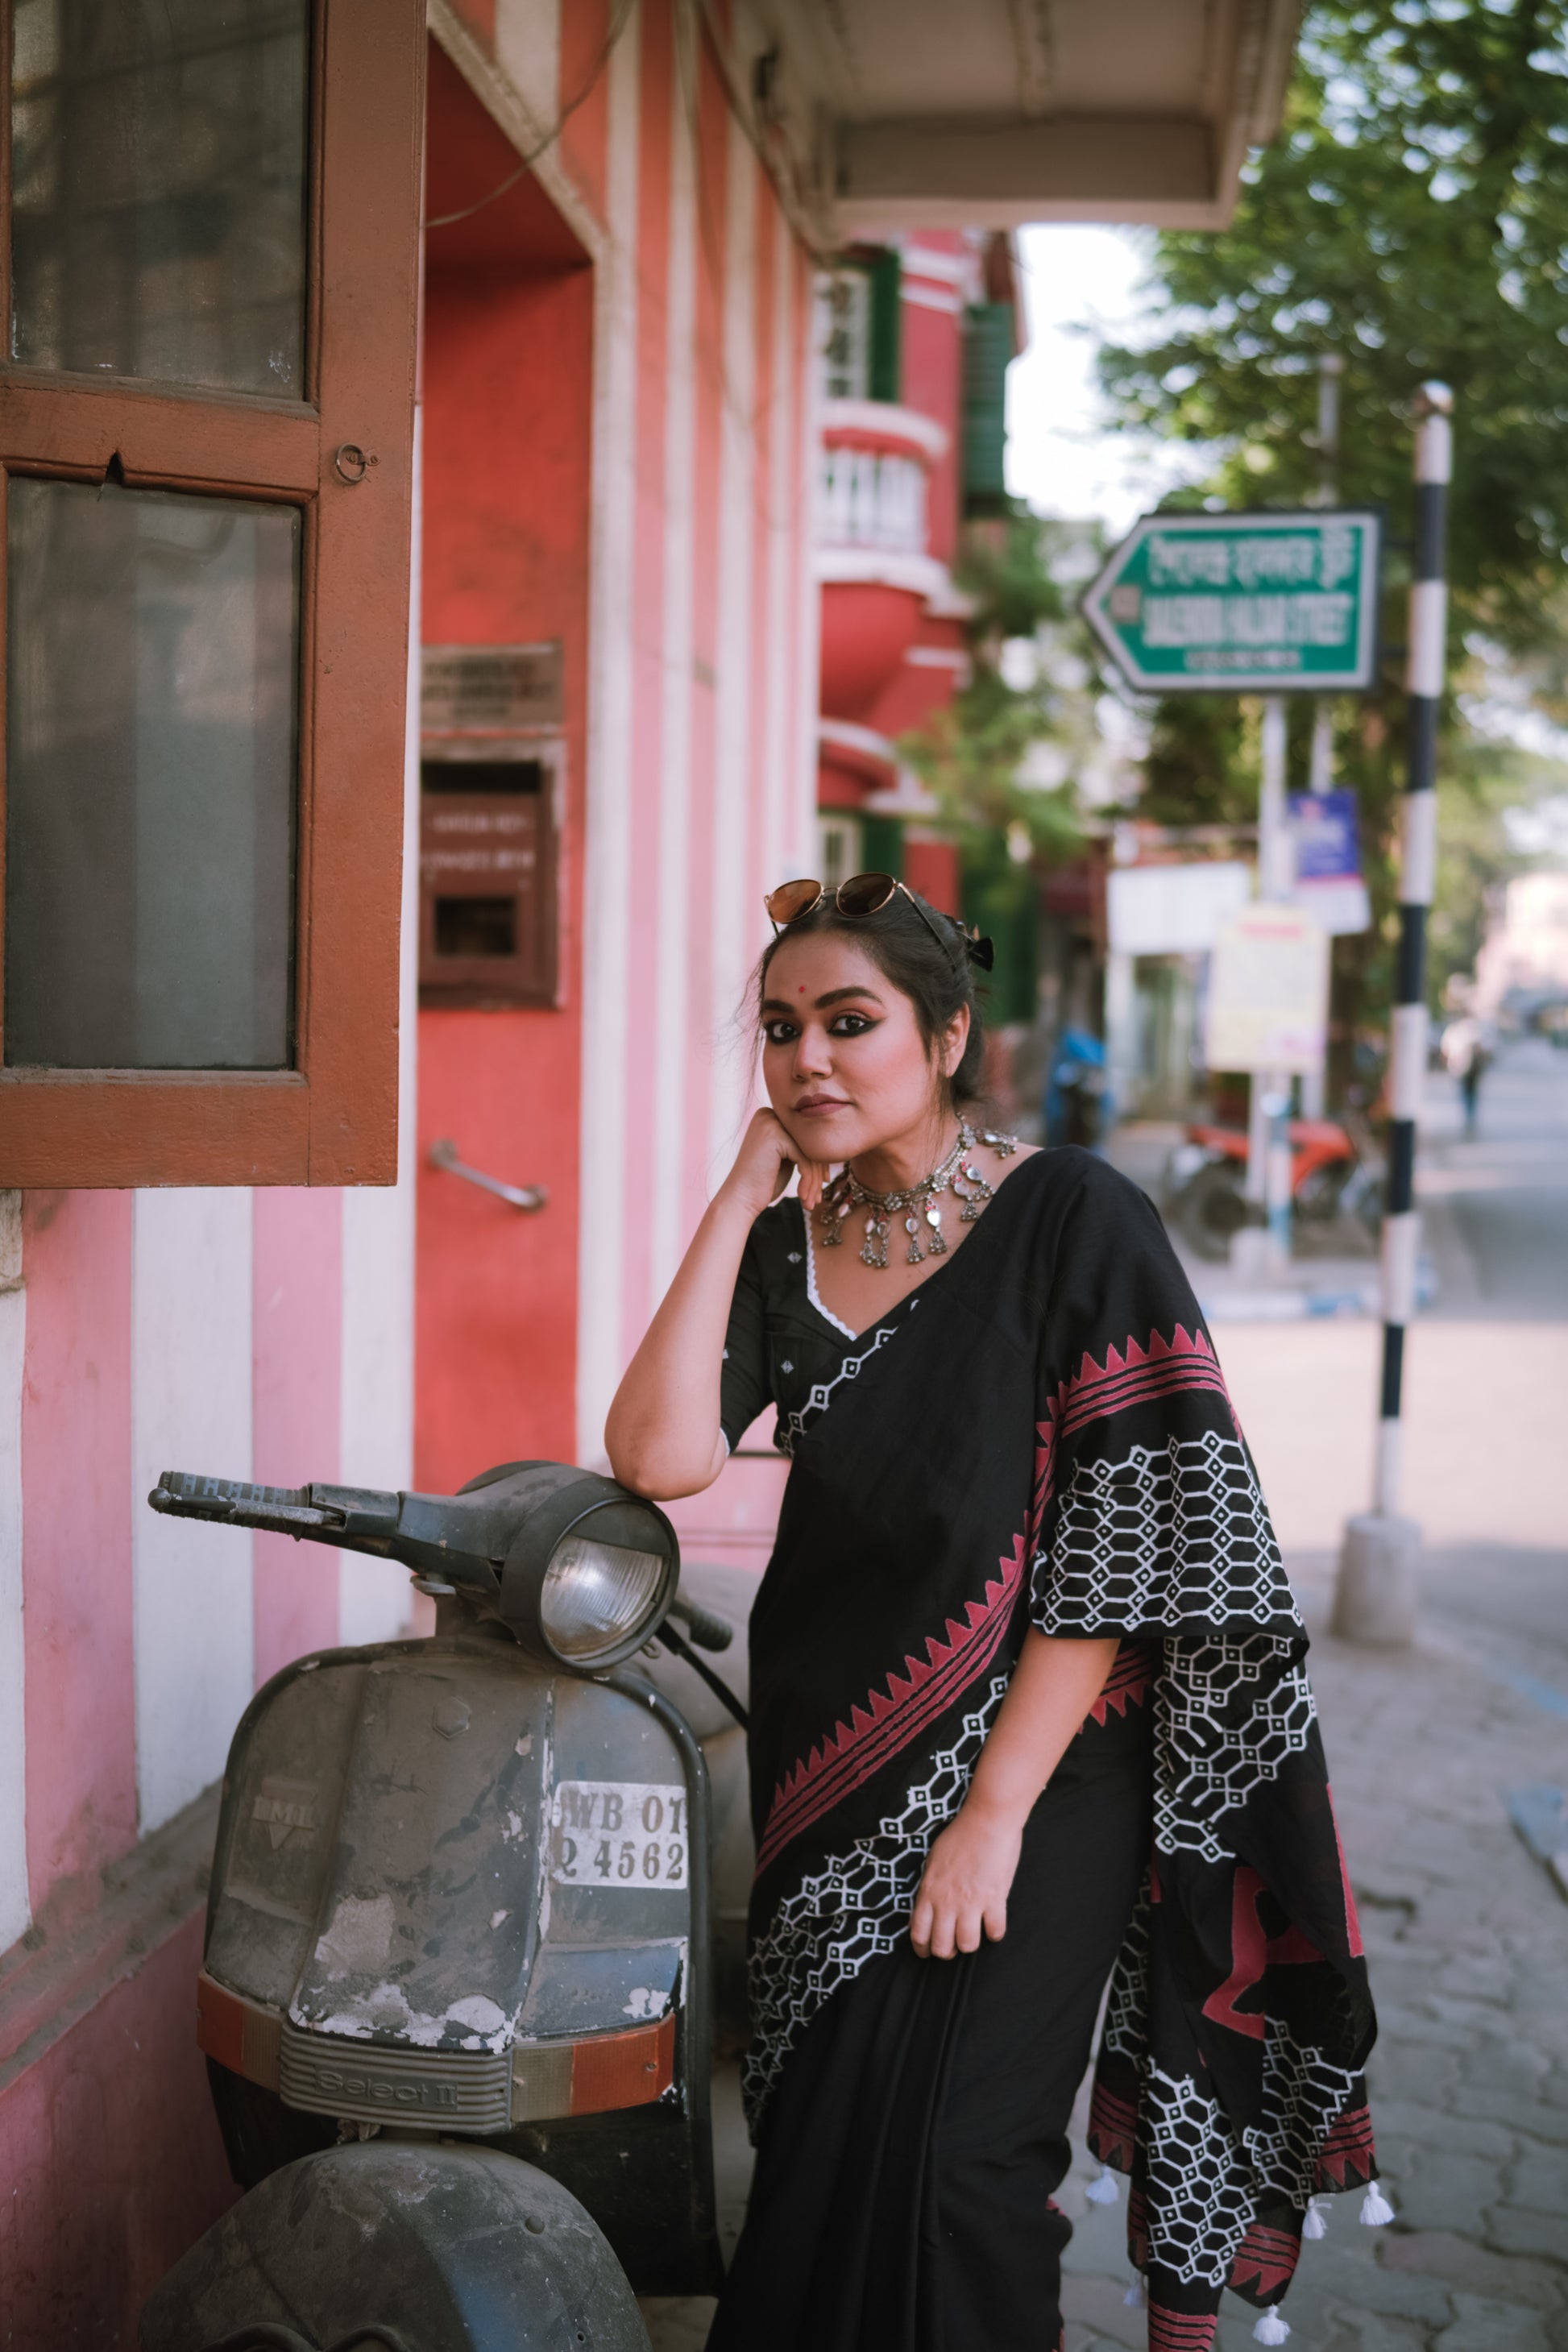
191, 1387
606, 880
788, 552
527, 51
736, 776
15, 1910
670, 970
376, 1405
801, 826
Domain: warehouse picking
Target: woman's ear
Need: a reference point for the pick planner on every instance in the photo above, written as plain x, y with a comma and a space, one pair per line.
954, 1038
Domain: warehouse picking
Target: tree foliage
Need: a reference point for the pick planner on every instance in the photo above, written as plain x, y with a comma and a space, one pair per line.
1412, 218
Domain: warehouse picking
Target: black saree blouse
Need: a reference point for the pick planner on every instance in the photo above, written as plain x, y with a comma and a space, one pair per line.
1040, 1435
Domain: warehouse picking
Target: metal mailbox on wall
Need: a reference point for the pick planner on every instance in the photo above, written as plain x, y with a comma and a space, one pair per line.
490, 749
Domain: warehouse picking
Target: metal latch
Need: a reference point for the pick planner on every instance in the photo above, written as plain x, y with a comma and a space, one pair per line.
529, 1197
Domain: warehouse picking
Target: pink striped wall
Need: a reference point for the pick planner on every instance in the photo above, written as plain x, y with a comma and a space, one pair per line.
699, 775
76, 1539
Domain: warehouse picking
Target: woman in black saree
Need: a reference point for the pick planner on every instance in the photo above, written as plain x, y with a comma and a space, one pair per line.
1029, 1708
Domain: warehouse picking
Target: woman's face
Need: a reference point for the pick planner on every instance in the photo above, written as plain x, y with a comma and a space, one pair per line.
844, 1064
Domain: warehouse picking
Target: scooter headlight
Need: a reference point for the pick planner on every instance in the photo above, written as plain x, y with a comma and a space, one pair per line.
597, 1597
592, 1570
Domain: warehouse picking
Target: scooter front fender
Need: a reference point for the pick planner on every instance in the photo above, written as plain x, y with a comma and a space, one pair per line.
450, 2249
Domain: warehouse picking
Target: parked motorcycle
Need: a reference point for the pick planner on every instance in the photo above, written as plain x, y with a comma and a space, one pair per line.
1336, 1171
455, 1995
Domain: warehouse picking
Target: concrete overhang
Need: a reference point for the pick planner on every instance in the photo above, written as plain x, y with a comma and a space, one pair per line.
996, 113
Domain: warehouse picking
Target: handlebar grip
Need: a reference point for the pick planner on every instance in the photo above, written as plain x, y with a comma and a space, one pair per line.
233, 1502
708, 1632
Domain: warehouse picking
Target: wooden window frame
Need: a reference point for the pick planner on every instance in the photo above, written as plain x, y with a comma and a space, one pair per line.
332, 1118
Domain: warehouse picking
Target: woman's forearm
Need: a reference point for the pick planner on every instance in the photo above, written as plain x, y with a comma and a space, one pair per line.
962, 1893
662, 1435
1054, 1685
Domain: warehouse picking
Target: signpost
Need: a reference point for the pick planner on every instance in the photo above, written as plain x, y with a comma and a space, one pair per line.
1249, 604
1242, 603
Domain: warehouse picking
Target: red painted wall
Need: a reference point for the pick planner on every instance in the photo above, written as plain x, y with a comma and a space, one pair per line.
508, 408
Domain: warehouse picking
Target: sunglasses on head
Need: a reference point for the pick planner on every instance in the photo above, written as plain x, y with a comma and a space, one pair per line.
865, 894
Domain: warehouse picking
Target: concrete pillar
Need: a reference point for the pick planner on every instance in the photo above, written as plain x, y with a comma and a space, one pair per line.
1377, 1591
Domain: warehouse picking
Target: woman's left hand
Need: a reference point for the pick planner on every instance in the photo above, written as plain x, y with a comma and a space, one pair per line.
963, 1890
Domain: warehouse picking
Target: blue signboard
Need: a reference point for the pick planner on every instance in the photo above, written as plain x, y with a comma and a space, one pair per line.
1326, 835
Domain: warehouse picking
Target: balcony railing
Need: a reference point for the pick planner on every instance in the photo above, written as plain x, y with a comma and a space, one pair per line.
873, 474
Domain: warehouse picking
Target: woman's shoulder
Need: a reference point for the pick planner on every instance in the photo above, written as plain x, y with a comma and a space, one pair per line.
776, 1244
1066, 1179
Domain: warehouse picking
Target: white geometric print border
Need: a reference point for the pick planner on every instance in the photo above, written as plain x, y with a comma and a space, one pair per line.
791, 1429
1161, 1538
855, 1908
1226, 1715
1201, 2192
1303, 2099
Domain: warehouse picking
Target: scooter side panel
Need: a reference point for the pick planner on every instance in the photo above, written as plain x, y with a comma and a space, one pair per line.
430, 1917
285, 1781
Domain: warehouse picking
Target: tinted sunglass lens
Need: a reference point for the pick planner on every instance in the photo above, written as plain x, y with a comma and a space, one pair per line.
792, 899
865, 894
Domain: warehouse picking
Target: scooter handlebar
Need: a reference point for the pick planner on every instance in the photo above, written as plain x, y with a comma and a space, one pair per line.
351, 1516
709, 1631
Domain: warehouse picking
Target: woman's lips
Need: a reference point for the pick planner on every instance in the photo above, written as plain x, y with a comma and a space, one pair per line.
817, 1107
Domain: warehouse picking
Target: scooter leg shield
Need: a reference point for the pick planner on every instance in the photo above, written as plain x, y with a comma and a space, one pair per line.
449, 2249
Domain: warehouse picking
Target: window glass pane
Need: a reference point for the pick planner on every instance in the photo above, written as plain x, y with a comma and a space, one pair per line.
150, 779
158, 189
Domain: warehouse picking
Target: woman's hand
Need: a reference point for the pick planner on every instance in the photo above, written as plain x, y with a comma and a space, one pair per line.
766, 1162
964, 1887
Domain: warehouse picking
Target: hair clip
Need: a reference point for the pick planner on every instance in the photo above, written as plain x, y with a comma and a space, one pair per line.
980, 950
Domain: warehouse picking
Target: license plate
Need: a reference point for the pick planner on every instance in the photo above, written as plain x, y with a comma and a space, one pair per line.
625, 1833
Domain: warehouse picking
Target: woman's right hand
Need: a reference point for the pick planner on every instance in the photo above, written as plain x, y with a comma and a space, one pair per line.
766, 1162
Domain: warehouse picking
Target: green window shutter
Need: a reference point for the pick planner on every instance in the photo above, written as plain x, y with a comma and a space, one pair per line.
887, 369
987, 348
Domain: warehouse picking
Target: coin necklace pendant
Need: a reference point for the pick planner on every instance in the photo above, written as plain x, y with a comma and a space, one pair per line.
918, 1205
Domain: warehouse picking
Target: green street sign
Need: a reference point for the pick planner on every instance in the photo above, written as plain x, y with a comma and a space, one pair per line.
1242, 603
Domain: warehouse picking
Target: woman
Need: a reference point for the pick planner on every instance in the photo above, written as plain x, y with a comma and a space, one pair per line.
1028, 1703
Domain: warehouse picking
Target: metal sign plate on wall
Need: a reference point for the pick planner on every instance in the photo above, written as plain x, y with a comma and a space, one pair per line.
1247, 603
485, 691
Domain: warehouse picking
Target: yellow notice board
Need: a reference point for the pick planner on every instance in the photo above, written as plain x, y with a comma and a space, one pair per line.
1268, 991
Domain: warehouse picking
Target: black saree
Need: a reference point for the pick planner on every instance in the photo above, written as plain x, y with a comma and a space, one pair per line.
1039, 1434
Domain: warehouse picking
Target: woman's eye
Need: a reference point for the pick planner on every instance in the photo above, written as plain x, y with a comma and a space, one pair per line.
851, 1024
780, 1032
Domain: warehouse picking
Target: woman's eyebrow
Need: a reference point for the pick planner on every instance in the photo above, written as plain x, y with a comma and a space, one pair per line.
820, 1003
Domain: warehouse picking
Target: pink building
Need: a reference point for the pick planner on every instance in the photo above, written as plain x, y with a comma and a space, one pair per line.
233, 1035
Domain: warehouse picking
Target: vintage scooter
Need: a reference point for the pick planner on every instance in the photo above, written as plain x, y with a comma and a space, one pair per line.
456, 1997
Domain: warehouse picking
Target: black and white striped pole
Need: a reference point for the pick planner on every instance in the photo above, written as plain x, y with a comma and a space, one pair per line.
1377, 1592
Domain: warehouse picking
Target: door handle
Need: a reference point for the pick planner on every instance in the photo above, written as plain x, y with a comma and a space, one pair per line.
528, 1197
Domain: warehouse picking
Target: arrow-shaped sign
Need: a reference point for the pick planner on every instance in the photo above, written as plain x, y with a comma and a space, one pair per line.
1242, 603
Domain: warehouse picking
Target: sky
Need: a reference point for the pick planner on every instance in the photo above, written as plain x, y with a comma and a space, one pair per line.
1061, 456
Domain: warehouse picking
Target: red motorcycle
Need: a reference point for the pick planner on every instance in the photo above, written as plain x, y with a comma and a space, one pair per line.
1336, 1171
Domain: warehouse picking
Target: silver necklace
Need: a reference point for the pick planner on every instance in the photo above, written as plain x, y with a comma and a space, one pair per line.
917, 1203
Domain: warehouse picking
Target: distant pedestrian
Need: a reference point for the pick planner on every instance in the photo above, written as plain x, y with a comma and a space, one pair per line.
1465, 1058
1029, 1703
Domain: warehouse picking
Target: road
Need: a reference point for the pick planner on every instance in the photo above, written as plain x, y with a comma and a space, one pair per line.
1503, 1196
